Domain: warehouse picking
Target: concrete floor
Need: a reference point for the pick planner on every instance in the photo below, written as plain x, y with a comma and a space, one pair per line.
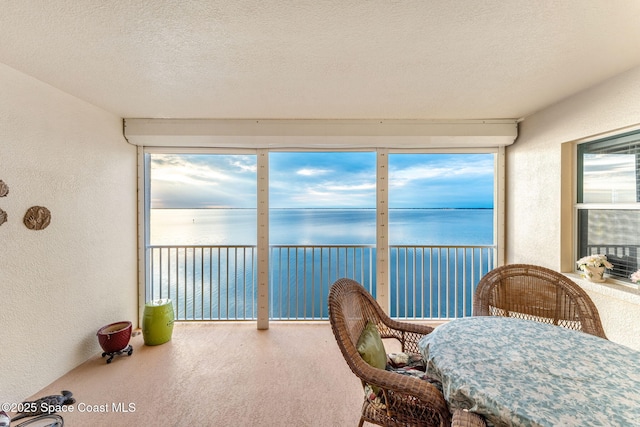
218, 374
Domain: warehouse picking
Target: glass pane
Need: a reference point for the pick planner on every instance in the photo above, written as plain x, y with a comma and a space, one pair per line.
322, 198
322, 226
608, 170
202, 234
441, 199
203, 199
609, 178
613, 233
441, 221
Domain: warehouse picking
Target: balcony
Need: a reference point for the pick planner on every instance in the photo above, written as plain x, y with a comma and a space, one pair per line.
219, 282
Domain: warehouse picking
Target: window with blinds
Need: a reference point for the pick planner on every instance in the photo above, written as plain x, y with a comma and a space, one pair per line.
608, 201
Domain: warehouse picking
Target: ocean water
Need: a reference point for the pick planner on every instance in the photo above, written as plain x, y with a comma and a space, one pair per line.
220, 283
321, 226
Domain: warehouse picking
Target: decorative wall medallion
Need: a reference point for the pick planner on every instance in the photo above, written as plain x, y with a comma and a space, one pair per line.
3, 217
4, 189
37, 218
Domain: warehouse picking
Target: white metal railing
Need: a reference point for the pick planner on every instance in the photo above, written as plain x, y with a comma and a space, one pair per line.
625, 258
300, 276
436, 282
220, 282
204, 282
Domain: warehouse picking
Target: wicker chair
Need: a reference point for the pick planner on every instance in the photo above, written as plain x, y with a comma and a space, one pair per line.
409, 401
536, 293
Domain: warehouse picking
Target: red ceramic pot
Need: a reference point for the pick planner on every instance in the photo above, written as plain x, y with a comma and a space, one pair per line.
114, 336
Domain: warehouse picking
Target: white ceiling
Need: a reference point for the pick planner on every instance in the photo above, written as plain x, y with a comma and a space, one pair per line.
331, 59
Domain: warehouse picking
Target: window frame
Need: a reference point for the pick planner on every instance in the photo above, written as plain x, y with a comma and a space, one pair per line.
263, 203
577, 207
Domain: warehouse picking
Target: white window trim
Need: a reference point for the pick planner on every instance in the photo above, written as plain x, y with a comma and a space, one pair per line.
319, 133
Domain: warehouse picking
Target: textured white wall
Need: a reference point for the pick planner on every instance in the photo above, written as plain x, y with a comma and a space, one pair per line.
533, 184
59, 285
619, 310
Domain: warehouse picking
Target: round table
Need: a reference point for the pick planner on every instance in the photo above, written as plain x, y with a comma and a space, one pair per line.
518, 372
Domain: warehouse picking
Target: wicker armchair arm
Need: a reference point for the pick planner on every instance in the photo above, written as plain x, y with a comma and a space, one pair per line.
407, 327
408, 334
404, 388
422, 390
462, 418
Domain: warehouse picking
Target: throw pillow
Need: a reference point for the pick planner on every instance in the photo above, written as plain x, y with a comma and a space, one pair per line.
371, 348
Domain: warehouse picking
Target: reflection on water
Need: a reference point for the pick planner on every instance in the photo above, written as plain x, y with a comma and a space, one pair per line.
321, 226
219, 283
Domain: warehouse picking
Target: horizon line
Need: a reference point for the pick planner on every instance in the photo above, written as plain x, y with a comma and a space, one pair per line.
301, 208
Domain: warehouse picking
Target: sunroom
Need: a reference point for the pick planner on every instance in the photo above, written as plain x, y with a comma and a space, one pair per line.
88, 90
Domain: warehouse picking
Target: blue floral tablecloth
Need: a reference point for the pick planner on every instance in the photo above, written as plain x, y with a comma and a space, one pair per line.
522, 373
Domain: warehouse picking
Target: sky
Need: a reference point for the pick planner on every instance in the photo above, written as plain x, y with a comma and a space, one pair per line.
322, 180
609, 178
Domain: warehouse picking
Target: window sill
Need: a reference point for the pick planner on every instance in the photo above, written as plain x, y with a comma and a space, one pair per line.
611, 288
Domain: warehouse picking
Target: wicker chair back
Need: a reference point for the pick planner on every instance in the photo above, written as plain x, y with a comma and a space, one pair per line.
537, 293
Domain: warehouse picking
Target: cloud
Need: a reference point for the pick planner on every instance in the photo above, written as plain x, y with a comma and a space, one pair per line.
322, 180
198, 181
244, 163
367, 186
452, 167
441, 180
175, 168
609, 178
312, 172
